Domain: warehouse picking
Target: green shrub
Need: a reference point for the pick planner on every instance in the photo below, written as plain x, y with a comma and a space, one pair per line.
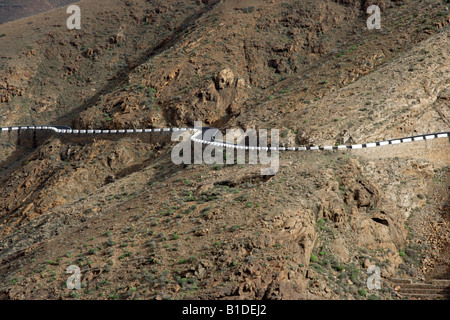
234, 228
338, 267
248, 9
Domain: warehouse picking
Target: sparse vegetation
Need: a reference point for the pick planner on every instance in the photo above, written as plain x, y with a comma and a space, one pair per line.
140, 226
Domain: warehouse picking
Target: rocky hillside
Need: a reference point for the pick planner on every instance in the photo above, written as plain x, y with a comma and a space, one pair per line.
141, 227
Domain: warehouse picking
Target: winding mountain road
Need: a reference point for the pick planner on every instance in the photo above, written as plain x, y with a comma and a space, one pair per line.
199, 133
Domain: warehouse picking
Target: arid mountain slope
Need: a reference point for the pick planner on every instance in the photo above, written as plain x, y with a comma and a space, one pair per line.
141, 227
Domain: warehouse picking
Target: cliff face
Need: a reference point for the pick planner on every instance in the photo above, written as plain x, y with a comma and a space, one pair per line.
140, 226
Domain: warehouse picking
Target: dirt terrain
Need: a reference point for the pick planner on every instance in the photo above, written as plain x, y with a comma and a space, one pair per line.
141, 227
